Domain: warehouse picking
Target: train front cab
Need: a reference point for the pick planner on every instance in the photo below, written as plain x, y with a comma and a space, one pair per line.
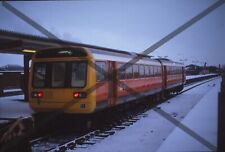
63, 79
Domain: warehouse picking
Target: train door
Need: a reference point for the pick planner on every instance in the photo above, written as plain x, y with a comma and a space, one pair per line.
183, 75
164, 77
113, 81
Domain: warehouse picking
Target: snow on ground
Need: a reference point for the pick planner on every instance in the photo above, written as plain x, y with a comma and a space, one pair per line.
198, 76
202, 120
11, 90
154, 132
14, 107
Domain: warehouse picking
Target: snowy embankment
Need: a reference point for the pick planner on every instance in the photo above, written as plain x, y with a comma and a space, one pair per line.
196, 109
202, 120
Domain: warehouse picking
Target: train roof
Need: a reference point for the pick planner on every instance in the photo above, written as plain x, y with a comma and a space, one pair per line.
128, 56
169, 62
101, 54
122, 57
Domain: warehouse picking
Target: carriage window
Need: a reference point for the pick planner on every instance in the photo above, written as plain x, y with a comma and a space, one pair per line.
175, 70
155, 71
179, 70
39, 75
58, 74
159, 71
147, 74
142, 71
136, 72
121, 71
151, 70
79, 71
170, 70
129, 71
100, 71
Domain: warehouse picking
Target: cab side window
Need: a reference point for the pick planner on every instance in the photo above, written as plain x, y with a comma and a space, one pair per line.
100, 71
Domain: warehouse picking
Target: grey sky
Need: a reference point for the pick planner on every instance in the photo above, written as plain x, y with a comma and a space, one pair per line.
127, 25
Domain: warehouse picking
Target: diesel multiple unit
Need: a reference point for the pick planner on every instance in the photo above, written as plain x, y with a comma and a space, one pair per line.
84, 80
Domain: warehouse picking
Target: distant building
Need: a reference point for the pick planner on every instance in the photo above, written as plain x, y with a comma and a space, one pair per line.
213, 69
204, 71
193, 69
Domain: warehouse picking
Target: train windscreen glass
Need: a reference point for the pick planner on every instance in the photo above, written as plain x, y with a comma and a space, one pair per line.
60, 74
79, 70
39, 75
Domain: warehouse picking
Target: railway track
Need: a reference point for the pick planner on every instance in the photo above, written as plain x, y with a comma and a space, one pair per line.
108, 126
105, 125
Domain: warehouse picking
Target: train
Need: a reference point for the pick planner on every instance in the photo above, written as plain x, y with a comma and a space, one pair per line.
80, 80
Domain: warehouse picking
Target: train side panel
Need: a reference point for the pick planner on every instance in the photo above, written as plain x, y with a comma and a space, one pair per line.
147, 82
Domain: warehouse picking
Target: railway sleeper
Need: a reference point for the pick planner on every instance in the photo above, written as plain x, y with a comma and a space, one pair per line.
120, 127
110, 132
127, 124
89, 143
102, 135
62, 149
71, 145
80, 141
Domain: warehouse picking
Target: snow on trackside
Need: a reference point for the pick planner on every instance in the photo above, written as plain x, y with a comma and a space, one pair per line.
11, 90
151, 132
14, 107
198, 76
202, 120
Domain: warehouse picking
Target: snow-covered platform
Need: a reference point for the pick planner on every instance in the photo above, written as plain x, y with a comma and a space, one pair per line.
202, 122
187, 122
14, 107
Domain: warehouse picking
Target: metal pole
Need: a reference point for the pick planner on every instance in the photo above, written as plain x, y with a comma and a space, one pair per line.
26, 59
